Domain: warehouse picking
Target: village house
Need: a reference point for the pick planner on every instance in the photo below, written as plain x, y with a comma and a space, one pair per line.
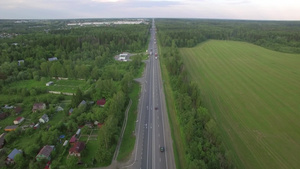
101, 102
20, 62
59, 108
38, 106
45, 153
123, 56
52, 59
77, 148
18, 110
8, 107
71, 111
83, 102
11, 156
36, 126
2, 115
19, 120
49, 83
65, 143
73, 140
2, 141
11, 128
78, 132
44, 119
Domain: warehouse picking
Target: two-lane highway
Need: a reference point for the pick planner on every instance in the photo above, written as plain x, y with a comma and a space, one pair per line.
153, 130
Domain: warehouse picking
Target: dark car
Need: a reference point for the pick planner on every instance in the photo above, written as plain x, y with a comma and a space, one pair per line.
162, 149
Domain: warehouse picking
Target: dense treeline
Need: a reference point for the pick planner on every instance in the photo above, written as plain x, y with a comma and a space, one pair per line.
79, 51
203, 147
281, 36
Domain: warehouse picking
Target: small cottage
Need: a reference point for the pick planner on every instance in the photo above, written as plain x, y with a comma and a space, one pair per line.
44, 119
77, 148
101, 102
38, 106
45, 153
10, 128
19, 120
11, 156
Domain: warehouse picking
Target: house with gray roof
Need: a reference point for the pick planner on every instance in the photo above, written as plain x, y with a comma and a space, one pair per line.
44, 119
11, 156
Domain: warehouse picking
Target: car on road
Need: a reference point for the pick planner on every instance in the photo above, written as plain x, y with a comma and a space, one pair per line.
162, 149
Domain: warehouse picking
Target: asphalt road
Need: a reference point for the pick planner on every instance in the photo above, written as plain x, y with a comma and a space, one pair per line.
153, 130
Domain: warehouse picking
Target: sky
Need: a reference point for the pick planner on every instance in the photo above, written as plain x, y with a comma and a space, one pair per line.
211, 9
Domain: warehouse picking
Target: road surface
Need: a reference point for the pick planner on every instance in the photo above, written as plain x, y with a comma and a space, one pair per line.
152, 129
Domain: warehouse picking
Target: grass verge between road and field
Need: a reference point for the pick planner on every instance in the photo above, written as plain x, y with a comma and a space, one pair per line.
253, 94
128, 141
129, 137
178, 146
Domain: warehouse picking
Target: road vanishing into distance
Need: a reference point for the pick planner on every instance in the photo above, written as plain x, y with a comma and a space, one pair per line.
152, 129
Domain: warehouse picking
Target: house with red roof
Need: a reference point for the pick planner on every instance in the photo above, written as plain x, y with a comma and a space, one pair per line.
77, 148
101, 102
73, 140
19, 120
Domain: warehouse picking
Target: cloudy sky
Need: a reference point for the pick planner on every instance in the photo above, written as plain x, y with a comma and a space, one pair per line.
219, 9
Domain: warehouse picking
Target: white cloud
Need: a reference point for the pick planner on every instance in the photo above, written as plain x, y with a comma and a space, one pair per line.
223, 9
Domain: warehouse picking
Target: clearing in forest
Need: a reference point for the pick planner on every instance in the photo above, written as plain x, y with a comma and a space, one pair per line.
253, 93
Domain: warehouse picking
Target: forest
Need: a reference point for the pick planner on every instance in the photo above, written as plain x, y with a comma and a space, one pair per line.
83, 56
283, 36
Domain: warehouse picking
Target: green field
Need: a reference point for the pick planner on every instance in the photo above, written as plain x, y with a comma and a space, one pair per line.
253, 93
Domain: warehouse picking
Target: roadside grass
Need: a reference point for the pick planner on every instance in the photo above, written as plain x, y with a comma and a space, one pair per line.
253, 94
128, 141
178, 146
129, 138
